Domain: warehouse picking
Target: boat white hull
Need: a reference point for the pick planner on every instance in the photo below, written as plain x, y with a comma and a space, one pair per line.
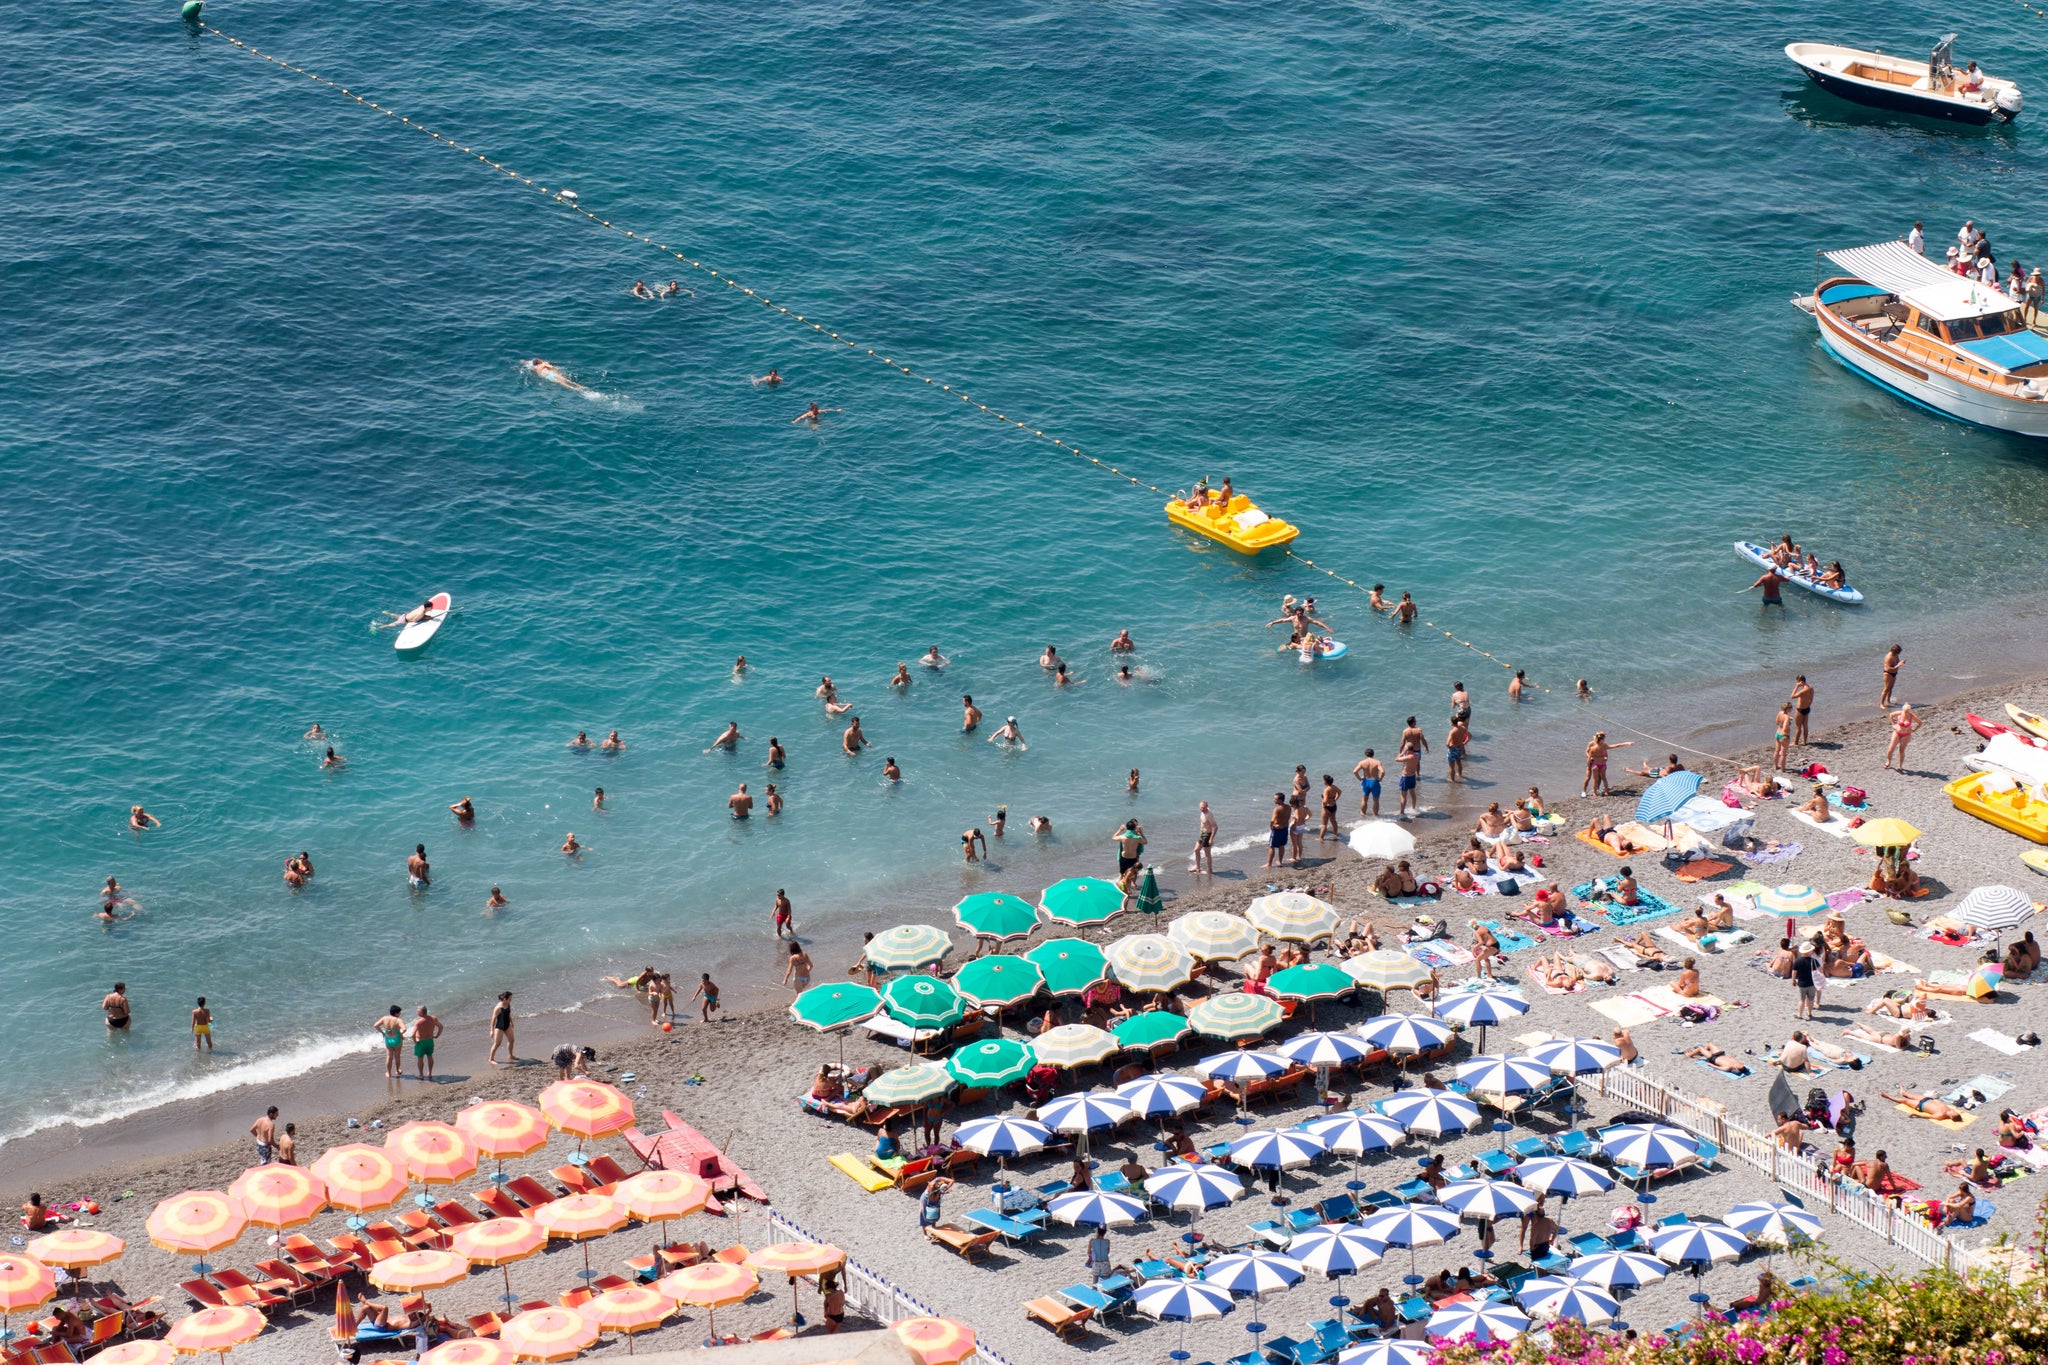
1932, 389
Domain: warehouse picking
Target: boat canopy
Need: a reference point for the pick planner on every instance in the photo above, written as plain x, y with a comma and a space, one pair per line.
1933, 290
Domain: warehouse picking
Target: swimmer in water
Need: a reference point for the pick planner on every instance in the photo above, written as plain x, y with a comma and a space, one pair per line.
571, 847
1124, 675
728, 738
553, 374
902, 678
315, 733
597, 801
1378, 601
138, 818
739, 665
582, 741
333, 759
813, 414
1123, 643
890, 770
771, 379
1049, 659
775, 753
853, 741
405, 618
465, 811
1009, 734
672, 288
933, 659
970, 714
1041, 824
612, 743
496, 902
641, 291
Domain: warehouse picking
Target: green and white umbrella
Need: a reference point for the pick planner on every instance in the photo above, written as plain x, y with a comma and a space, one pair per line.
918, 1083
908, 947
1311, 981
830, 1007
1235, 1015
1292, 915
1214, 936
924, 1001
1071, 965
1072, 1045
1150, 902
998, 980
1082, 900
1386, 969
1150, 962
996, 915
992, 1062
1150, 1029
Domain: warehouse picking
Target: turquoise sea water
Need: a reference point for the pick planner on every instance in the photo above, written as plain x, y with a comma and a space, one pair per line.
1491, 300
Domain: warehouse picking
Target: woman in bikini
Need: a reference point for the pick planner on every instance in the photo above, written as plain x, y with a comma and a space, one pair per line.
1817, 805
1644, 947
1904, 723
1784, 738
1485, 948
1597, 751
1865, 1033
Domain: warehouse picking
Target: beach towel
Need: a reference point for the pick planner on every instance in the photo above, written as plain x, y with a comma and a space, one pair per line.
862, 1174
1699, 869
1649, 906
1573, 989
1997, 1042
1761, 962
1622, 958
1671, 1001
1440, 954
1629, 1010
1837, 825
1590, 842
1511, 940
1684, 944
1847, 899
1896, 1184
1990, 1087
1780, 853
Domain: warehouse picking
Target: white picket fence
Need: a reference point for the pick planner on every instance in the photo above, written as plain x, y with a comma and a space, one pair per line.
1805, 1176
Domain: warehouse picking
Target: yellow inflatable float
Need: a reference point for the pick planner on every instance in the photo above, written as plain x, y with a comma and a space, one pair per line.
2003, 802
1235, 523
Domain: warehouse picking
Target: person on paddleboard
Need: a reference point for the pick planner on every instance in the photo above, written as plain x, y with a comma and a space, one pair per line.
405, 618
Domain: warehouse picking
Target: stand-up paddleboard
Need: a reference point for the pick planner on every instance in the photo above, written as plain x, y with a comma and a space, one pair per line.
2028, 721
415, 636
1760, 555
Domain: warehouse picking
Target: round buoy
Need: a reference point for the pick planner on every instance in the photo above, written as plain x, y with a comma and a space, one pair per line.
192, 7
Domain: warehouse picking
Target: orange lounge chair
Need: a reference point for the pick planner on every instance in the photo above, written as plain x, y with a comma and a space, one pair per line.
607, 1170
498, 1204
104, 1332
530, 1192
970, 1247
1065, 1322
575, 1179
453, 1215
485, 1324
205, 1293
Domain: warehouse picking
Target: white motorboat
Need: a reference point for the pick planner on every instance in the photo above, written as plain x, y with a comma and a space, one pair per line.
1933, 87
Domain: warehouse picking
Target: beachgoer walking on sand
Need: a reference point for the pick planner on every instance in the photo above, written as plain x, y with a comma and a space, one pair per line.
1802, 699
1454, 750
1410, 759
707, 991
1904, 723
501, 1030
202, 1025
1597, 751
797, 973
1782, 744
116, 1006
425, 1029
264, 1130
417, 873
1891, 673
391, 1028
1276, 830
1369, 771
1204, 857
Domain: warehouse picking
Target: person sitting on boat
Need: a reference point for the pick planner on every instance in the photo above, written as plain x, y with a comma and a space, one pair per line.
1834, 576
1970, 80
1811, 567
1784, 553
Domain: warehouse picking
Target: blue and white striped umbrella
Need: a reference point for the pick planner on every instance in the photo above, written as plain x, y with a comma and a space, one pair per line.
1698, 1244
1576, 1056
1477, 1319
1411, 1225
1486, 1199
1563, 1175
1387, 1353
1784, 1224
1158, 1097
1324, 1049
1356, 1132
1503, 1075
1289, 1147
1550, 1297
1335, 1249
1096, 1208
1248, 1064
1404, 1032
1648, 1144
1253, 1272
1435, 1112
1194, 1187
1481, 1007
1182, 1300
1662, 798
1084, 1112
1002, 1136
1617, 1269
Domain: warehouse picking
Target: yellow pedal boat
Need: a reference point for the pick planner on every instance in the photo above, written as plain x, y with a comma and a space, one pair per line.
1239, 525
1996, 798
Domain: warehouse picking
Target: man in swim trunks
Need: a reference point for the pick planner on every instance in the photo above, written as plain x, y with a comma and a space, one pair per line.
1719, 1060
740, 804
391, 1027
1461, 702
707, 991
1802, 697
1130, 846
416, 869
116, 1006
1454, 750
1927, 1104
1276, 830
264, 1130
202, 1025
728, 738
972, 840
853, 741
1770, 583
1204, 859
1123, 643
1330, 796
970, 714
425, 1030
1410, 759
1369, 771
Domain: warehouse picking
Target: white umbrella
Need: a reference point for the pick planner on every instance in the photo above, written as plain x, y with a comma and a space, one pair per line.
1096, 1208
1435, 1112
1334, 1249
1084, 1112
1554, 1298
1783, 1224
1480, 1009
1390, 1352
1576, 1056
1324, 1049
1648, 1144
1194, 1187
1182, 1300
1617, 1269
1503, 1075
1356, 1132
1246, 1065
1157, 1097
1698, 1244
1002, 1137
1411, 1226
1253, 1272
1563, 1175
1404, 1032
1285, 1149
1381, 839
1486, 1199
1477, 1319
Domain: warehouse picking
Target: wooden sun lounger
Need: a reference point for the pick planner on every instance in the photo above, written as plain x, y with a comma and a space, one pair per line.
1064, 1321
969, 1246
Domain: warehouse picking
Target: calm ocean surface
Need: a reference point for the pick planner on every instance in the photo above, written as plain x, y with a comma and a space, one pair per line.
1491, 300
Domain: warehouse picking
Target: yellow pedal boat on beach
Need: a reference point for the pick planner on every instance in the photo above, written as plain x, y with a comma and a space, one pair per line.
1996, 798
1238, 524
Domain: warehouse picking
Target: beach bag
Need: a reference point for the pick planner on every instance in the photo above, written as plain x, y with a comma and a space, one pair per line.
1508, 886
1697, 1014
1854, 796
1926, 1045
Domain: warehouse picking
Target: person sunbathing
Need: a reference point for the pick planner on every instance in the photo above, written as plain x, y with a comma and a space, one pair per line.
1897, 879
1719, 913
1623, 892
1790, 1133
1866, 1033
1508, 859
1845, 1156
1603, 831
1692, 924
392, 1319
1835, 1055
1781, 961
1718, 1059
1915, 1008
1852, 960
1926, 1104
1626, 1045
1960, 1207
1492, 822
1980, 1172
1473, 859
1461, 879
827, 1087
1817, 805
1557, 974
1688, 983
1522, 821
1942, 990
1542, 910
2022, 956
2013, 1130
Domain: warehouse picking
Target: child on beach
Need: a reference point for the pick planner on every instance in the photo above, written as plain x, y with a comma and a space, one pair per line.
707, 991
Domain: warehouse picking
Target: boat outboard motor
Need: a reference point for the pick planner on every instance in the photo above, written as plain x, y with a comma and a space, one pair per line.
2008, 101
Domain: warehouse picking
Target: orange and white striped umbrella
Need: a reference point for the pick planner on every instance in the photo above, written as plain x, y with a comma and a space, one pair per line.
215, 1331
630, 1308
25, 1283
433, 1153
197, 1221
654, 1196
360, 1177
549, 1334
714, 1284
936, 1341
138, 1353
580, 1216
76, 1248
278, 1196
498, 1240
797, 1258
504, 1128
586, 1108
411, 1271
469, 1351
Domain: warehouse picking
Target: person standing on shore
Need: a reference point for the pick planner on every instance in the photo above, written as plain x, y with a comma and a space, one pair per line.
501, 1030
1597, 751
796, 974
391, 1027
425, 1029
202, 1025
1204, 858
1276, 831
264, 1130
707, 992
1802, 700
1904, 723
1369, 771
1891, 674
1412, 737
1410, 759
1330, 798
1130, 846
785, 921
116, 1006
1782, 744
1454, 749
288, 1145
1297, 826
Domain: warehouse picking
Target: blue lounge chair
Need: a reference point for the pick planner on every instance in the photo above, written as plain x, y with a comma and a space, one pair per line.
1495, 1163
1574, 1143
1552, 1263
1804, 1283
1415, 1308
1113, 1295
1113, 1182
1155, 1270
1011, 1230
1414, 1190
1673, 1220
1379, 1199
1531, 1147
1331, 1334
1632, 1240
1588, 1243
1340, 1208
1291, 1352
1273, 1233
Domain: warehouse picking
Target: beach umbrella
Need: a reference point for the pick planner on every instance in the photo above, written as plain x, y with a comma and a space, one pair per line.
998, 980
1149, 1029
1985, 980
1096, 1208
992, 1062
1324, 1049
1158, 1097
1996, 908
1411, 1226
1070, 965
936, 1341
1310, 981
76, 1248
1214, 935
710, 1286
1150, 902
1081, 901
360, 1178
1084, 1112
1648, 1144
1386, 969
1333, 1249
1235, 1014
1485, 1199
25, 1283
1887, 831
1194, 1187
278, 1196
1388, 1352
831, 1007
215, 1331
433, 1153
1662, 798
1502, 1075
549, 1334
469, 1351
502, 1128
409, 1272
1780, 1224
498, 1242
917, 1083
658, 1196
1255, 1271
1698, 1245
908, 947
1563, 1175
1481, 1008
1477, 1319
1404, 1033
1150, 962
1382, 839
924, 1002
796, 1259
142, 1352
587, 1109
1002, 1136
996, 915
580, 1217
1617, 1269
1280, 1150
1072, 1045
1793, 900
630, 1309
1248, 1064
1550, 1297
1292, 915
1435, 1112
196, 1222
1576, 1056
1356, 1132
1182, 1301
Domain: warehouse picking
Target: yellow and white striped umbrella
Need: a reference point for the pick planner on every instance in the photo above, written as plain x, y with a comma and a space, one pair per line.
1150, 962
1072, 1045
1235, 1015
411, 1271
360, 1177
1292, 915
215, 1331
1386, 969
1214, 935
278, 1196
